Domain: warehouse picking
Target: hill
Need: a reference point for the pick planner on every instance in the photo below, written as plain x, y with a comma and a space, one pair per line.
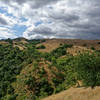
34, 69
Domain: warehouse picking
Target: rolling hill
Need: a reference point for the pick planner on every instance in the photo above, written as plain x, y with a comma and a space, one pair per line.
35, 69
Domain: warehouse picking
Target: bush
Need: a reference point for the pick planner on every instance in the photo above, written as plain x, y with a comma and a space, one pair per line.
67, 45
43, 40
92, 48
9, 40
41, 47
84, 45
12, 97
98, 43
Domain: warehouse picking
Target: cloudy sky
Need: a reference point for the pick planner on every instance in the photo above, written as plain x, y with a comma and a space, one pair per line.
34, 19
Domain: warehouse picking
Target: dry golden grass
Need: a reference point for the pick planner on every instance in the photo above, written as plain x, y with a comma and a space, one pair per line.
77, 94
78, 49
20, 47
52, 44
20, 44
3, 42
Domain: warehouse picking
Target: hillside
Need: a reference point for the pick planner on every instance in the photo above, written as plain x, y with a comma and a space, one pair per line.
35, 69
77, 94
51, 44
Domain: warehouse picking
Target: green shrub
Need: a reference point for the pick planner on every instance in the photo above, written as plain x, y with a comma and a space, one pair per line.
43, 40
67, 45
12, 97
92, 48
41, 47
9, 40
88, 68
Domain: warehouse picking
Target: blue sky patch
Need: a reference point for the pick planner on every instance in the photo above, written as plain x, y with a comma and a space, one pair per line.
4, 11
19, 29
23, 19
38, 23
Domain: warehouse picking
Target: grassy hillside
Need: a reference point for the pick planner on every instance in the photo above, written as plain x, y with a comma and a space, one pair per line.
34, 69
52, 44
77, 94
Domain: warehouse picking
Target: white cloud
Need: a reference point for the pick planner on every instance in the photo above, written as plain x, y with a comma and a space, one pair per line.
8, 20
6, 33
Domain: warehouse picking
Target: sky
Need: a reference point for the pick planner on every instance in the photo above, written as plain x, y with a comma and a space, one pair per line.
36, 19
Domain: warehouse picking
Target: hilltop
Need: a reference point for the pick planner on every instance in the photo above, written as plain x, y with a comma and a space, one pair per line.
52, 44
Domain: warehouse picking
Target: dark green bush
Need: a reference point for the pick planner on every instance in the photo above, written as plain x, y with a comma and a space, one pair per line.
9, 40
92, 48
88, 68
41, 47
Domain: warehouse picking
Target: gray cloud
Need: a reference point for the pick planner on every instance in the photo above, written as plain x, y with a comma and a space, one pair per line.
21, 1
3, 21
43, 30
32, 3
64, 17
41, 3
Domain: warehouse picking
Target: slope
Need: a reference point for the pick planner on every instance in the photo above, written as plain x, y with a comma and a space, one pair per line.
77, 94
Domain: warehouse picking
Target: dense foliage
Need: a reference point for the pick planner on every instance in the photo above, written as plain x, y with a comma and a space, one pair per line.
10, 65
88, 69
